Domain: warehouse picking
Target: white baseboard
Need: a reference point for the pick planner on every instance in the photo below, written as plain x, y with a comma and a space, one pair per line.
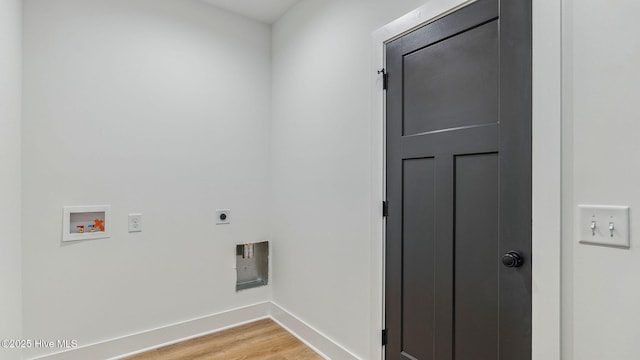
147, 340
167, 335
313, 338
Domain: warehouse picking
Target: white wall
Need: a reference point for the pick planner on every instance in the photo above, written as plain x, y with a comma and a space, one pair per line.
601, 127
321, 164
153, 106
10, 113
169, 100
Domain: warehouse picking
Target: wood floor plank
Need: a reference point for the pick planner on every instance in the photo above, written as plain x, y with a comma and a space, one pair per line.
260, 340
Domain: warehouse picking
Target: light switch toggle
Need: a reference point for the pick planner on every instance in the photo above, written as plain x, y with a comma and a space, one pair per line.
595, 220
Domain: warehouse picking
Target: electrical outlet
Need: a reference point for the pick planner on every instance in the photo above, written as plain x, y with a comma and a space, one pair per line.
223, 217
135, 222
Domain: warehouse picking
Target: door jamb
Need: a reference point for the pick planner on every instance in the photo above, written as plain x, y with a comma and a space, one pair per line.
546, 169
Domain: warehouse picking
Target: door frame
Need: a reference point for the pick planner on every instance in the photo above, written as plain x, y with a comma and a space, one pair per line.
546, 169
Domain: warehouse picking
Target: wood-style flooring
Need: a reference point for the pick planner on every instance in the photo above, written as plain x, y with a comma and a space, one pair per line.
260, 340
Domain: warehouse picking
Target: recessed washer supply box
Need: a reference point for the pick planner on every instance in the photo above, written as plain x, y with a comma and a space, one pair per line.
86, 222
252, 265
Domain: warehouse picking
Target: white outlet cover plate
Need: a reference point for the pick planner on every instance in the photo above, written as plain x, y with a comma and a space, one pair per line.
135, 222
227, 220
603, 215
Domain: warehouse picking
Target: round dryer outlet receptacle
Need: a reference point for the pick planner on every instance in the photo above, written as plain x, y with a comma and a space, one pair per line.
223, 217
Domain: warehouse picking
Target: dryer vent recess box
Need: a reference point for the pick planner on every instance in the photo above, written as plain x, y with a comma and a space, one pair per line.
252, 265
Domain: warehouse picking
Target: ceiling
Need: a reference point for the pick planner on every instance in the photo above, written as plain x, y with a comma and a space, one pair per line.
267, 11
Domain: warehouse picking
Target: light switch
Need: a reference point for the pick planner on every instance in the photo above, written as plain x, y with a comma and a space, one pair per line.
135, 222
604, 225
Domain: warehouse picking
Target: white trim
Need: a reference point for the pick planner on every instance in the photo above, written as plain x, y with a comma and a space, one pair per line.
546, 172
167, 335
148, 340
313, 338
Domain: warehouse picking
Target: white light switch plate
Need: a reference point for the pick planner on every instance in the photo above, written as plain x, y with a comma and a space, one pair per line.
135, 222
603, 216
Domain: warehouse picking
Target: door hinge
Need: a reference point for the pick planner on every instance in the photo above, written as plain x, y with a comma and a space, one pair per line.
384, 337
385, 78
385, 209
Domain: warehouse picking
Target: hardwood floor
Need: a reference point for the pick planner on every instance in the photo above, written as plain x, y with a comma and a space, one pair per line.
260, 340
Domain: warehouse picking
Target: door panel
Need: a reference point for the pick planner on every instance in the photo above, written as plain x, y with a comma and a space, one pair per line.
418, 254
476, 278
459, 186
452, 83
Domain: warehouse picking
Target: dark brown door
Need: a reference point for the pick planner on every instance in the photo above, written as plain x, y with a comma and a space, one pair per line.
458, 271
